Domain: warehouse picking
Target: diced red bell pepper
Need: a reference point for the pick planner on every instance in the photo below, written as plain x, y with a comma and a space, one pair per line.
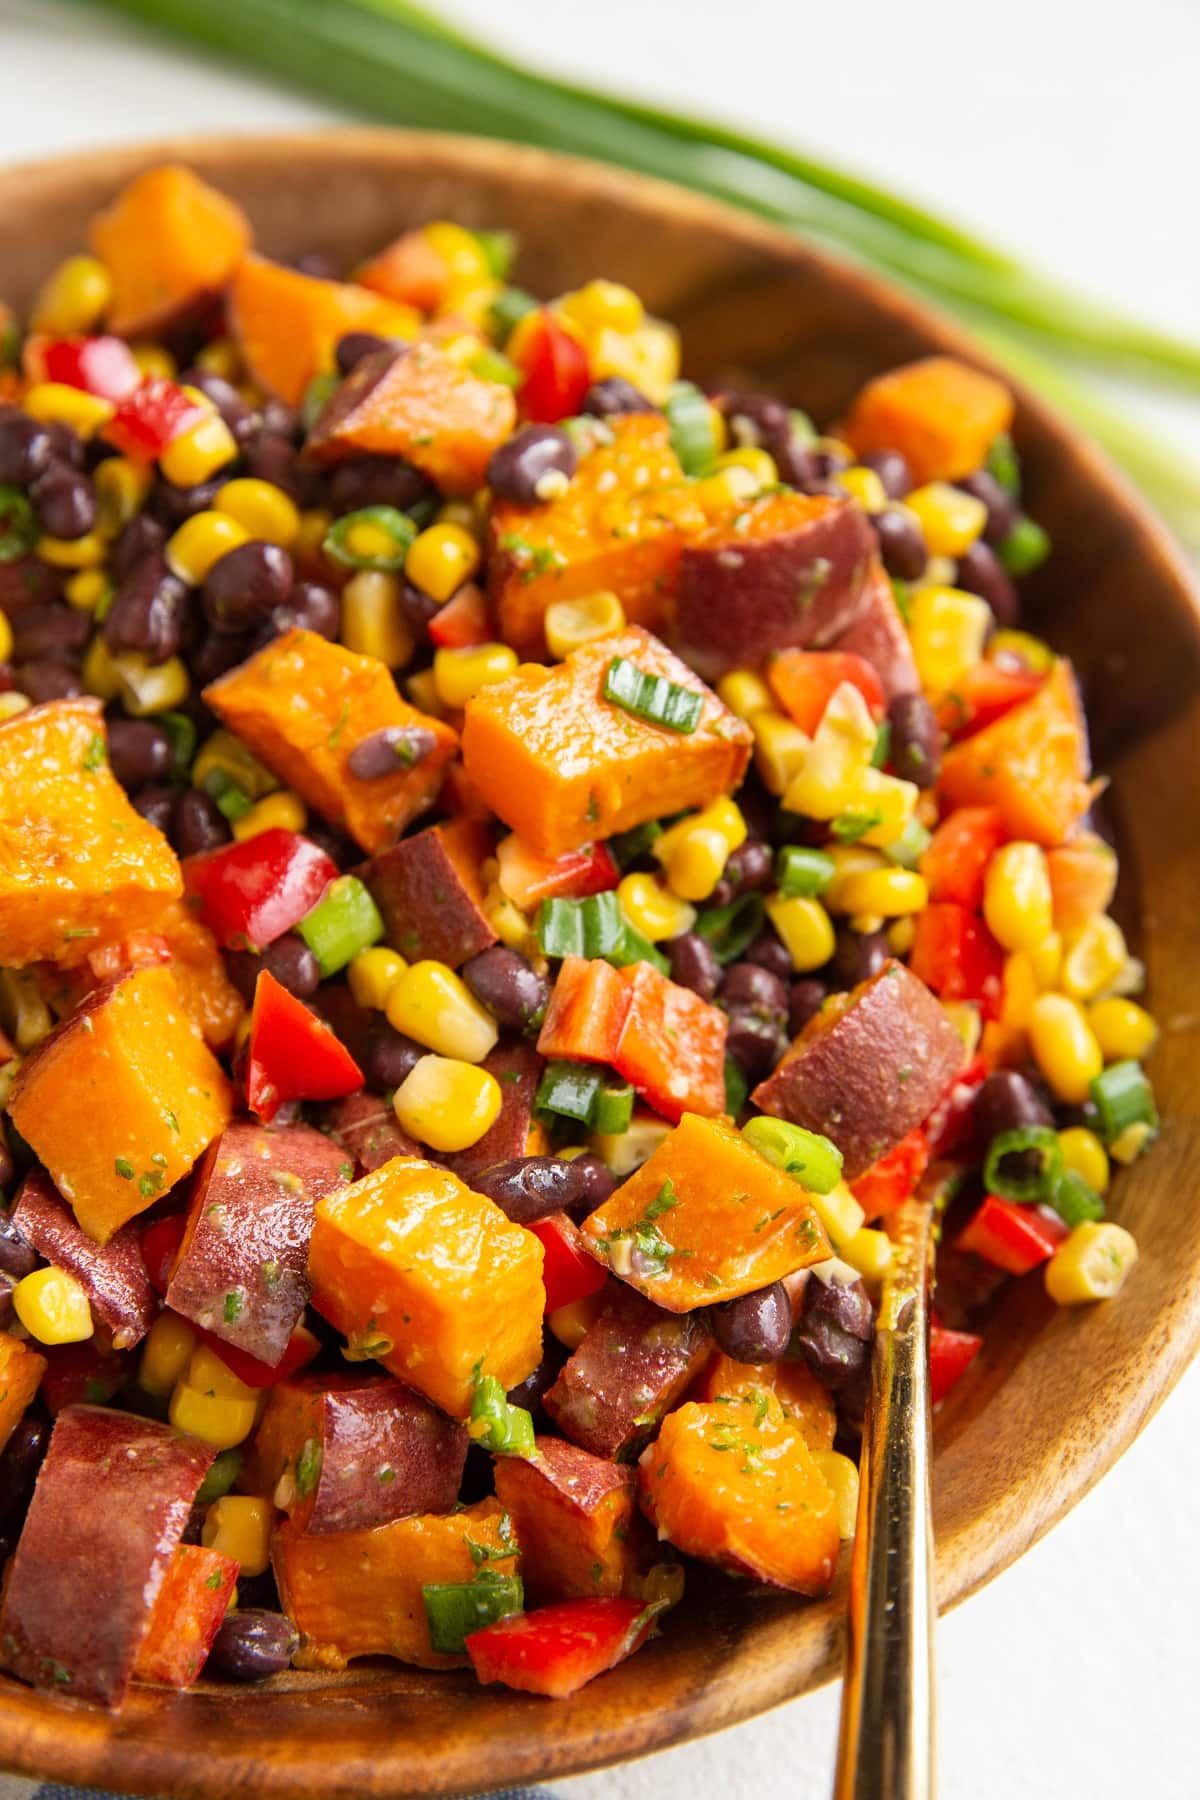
528, 878
890, 1181
804, 682
956, 955
955, 860
160, 1246
951, 1354
951, 1124
672, 1045
558, 1649
192, 1601
301, 1349
463, 621
586, 1014
151, 417
251, 893
568, 1272
1014, 1238
79, 1374
555, 369
103, 366
982, 694
292, 1055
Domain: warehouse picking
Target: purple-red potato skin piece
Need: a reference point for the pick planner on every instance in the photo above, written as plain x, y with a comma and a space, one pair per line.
242, 1269
366, 1128
634, 1364
110, 1506
737, 602
518, 1068
865, 1078
877, 634
430, 895
576, 1520
113, 1274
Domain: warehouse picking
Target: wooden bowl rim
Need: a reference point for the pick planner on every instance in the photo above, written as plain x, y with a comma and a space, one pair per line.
68, 1740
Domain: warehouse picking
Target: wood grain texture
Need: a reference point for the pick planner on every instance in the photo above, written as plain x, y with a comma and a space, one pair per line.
1056, 1396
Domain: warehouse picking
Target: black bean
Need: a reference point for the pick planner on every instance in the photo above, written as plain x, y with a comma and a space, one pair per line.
53, 631
49, 680
762, 420
981, 572
252, 1645
1002, 510
7, 1284
915, 747
280, 419
755, 1044
503, 981
138, 752
157, 805
28, 582
599, 1183
893, 471
528, 1188
173, 505
18, 1257
274, 459
138, 538
246, 584
8, 1167
199, 824
219, 651
26, 448
355, 345
334, 843
148, 611
767, 950
390, 1055
376, 481
613, 396
532, 465
288, 959
20, 1461
750, 987
858, 955
394, 747
310, 607
827, 463
694, 964
834, 1330
528, 1393
755, 1328
65, 502
241, 419
418, 609
807, 998
1007, 1101
901, 544
67, 446
750, 870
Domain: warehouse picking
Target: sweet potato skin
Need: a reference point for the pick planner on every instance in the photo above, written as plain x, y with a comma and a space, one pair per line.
518, 1068
364, 1126
877, 633
114, 1275
724, 1220
576, 1520
287, 324
21, 1371
358, 1593
120, 1100
110, 1506
563, 766
411, 1259
865, 1080
192, 1601
77, 864
302, 703
429, 892
242, 1268
170, 242
942, 415
1031, 763
634, 1364
787, 570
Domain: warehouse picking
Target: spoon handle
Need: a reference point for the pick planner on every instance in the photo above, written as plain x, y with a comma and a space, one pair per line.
886, 1742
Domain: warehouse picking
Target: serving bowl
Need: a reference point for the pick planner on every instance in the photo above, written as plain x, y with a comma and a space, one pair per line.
1056, 1395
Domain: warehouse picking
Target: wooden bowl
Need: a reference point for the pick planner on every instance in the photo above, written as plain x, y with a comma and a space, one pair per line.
1056, 1396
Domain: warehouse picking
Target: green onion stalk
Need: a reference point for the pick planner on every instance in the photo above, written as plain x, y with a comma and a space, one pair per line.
393, 61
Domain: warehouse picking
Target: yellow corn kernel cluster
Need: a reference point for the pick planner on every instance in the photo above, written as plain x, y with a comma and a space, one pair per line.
464, 256
283, 811
6, 638
804, 929
509, 922
53, 1307
441, 558
267, 513
840, 1214
372, 975
602, 306
757, 462
570, 1324
198, 453
432, 1004
694, 852
887, 893
610, 321
947, 629
623, 1152
1018, 903
147, 688
1064, 1047
569, 624
1124, 1030
202, 541
210, 1402
374, 622
26, 1017
12, 702
745, 693
840, 1475
1091, 1264
950, 519
86, 590
72, 302
446, 1102
74, 553
1034, 652
652, 909
863, 484
121, 487
869, 1252
727, 487
1084, 1155
239, 1525
1093, 958
223, 753
835, 775
53, 403
460, 674
166, 1353
154, 359
780, 747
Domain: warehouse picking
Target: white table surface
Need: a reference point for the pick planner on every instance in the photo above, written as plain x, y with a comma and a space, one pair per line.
1070, 133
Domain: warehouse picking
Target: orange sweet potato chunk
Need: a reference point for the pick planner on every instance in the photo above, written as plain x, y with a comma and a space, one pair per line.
562, 765
358, 1593
805, 1402
21, 1370
1032, 763
302, 704
170, 242
121, 1099
411, 1261
287, 324
736, 1485
621, 525
576, 1520
942, 415
77, 864
706, 1218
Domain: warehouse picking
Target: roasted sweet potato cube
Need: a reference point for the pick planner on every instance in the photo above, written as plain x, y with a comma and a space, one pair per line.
706, 1218
877, 634
430, 1279
120, 1100
191, 1604
302, 703
786, 570
805, 1402
242, 1268
518, 1068
170, 243
576, 1520
563, 766
77, 864
365, 1127
1031, 763
358, 1593
634, 1364
346, 1452
429, 892
424, 406
287, 324
736, 1485
942, 415
21, 1370
114, 1275
621, 525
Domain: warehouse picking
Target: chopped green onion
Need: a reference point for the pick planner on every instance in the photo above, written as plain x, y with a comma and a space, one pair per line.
910, 846
848, 827
500, 249
1025, 548
507, 310
232, 800
810, 1158
344, 921
493, 365
1123, 1097
1010, 1184
18, 525
455, 1609
317, 395
652, 697
690, 420
634, 948
737, 1088
612, 1109
1074, 1201
902, 597
883, 745
180, 733
629, 847
393, 526
803, 872
504, 1429
223, 1471
569, 1090
591, 927
803, 427
1003, 465
728, 930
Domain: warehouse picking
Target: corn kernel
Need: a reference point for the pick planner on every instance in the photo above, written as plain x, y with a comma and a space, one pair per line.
1046, 959
1084, 1155
84, 591
458, 512
744, 693
948, 630
863, 484
849, 861
950, 519
374, 622
1093, 958
840, 1214
198, 453
697, 863
72, 302
433, 1005
53, 403
508, 921
723, 816
283, 811
121, 487
147, 688
1091, 1264
869, 1252
648, 357
239, 1525
889, 893
888, 803
12, 702
805, 929
832, 772
166, 1353
226, 755
965, 1017
1063, 1047
372, 975
422, 691
447, 1103
623, 1152
1018, 904
265, 510
74, 553
440, 559
6, 638
202, 541
460, 674
866, 924
840, 1475
216, 1419
1034, 652
461, 251
155, 360
53, 1307
220, 357
570, 1324
651, 909
603, 306
1132, 1141
211, 1376
315, 522
901, 936
718, 493
99, 669
780, 748
570, 623
25, 1014
1124, 1030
